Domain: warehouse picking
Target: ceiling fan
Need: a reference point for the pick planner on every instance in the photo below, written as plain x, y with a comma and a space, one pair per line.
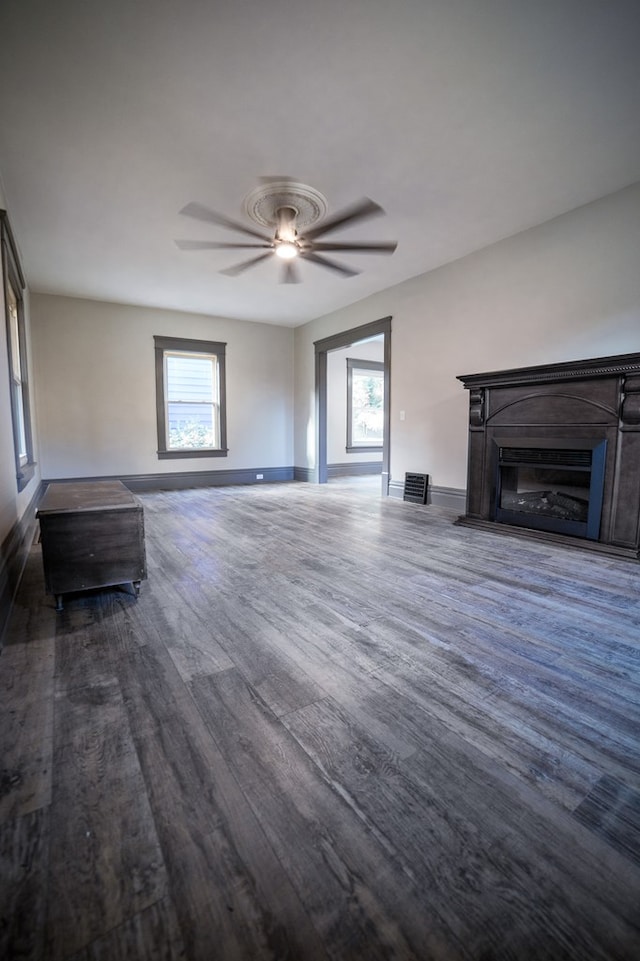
289, 209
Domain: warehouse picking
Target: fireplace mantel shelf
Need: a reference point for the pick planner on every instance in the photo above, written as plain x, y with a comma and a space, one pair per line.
551, 373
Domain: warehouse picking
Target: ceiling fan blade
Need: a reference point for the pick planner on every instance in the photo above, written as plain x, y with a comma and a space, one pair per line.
361, 210
331, 264
290, 274
200, 212
239, 268
382, 248
214, 245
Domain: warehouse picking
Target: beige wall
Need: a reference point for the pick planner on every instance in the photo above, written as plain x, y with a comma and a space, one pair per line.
337, 401
567, 290
94, 365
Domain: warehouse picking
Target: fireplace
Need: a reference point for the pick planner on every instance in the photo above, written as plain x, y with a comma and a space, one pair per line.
554, 452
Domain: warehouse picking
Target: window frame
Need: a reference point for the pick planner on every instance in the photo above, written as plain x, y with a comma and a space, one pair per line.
184, 345
13, 282
357, 365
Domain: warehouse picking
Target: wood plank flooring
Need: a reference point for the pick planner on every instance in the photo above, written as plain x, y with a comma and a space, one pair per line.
331, 727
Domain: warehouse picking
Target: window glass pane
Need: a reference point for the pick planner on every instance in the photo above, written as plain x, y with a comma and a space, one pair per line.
191, 425
20, 429
16, 365
367, 407
189, 378
16, 373
192, 402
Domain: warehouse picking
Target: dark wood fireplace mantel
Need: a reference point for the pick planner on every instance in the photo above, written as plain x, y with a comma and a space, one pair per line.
589, 404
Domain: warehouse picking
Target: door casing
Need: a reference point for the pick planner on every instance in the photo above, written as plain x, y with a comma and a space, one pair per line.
336, 342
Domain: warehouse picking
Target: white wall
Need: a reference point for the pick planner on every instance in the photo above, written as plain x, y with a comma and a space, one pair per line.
566, 290
337, 401
12, 503
95, 373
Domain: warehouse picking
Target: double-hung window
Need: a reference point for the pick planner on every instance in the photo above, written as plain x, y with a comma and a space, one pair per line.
190, 397
13, 285
365, 405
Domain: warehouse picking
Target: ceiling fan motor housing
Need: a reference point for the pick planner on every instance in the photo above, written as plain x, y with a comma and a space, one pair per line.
286, 229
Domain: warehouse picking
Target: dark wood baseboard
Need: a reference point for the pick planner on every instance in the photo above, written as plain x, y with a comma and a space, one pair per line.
450, 497
181, 480
573, 542
305, 474
15, 549
354, 470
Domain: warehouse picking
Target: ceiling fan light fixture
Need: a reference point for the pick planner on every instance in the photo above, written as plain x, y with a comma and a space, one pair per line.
291, 211
287, 250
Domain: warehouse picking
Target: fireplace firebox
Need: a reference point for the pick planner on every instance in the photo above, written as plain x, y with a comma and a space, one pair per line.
554, 451
551, 488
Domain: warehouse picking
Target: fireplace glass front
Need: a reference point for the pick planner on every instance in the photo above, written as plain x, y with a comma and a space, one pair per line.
551, 488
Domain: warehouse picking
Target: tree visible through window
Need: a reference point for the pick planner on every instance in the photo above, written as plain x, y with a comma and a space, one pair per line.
365, 405
190, 387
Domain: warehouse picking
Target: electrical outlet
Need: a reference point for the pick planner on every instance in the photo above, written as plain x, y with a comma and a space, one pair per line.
259, 476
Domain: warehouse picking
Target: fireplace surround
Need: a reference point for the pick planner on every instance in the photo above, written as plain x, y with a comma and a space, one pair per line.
554, 452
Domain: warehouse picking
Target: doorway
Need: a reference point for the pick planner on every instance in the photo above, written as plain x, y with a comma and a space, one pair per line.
336, 342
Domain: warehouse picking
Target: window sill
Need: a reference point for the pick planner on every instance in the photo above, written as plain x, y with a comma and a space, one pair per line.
196, 452
25, 474
365, 449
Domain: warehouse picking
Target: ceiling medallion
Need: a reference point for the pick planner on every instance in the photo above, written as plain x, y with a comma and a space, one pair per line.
262, 204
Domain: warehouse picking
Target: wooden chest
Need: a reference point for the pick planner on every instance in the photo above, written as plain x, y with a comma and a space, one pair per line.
92, 536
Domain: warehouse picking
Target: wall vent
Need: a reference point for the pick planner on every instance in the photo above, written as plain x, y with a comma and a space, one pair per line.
415, 488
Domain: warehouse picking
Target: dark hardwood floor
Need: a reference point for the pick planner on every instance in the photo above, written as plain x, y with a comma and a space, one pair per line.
332, 726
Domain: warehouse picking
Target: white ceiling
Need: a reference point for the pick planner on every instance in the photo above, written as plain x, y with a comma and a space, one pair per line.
467, 121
